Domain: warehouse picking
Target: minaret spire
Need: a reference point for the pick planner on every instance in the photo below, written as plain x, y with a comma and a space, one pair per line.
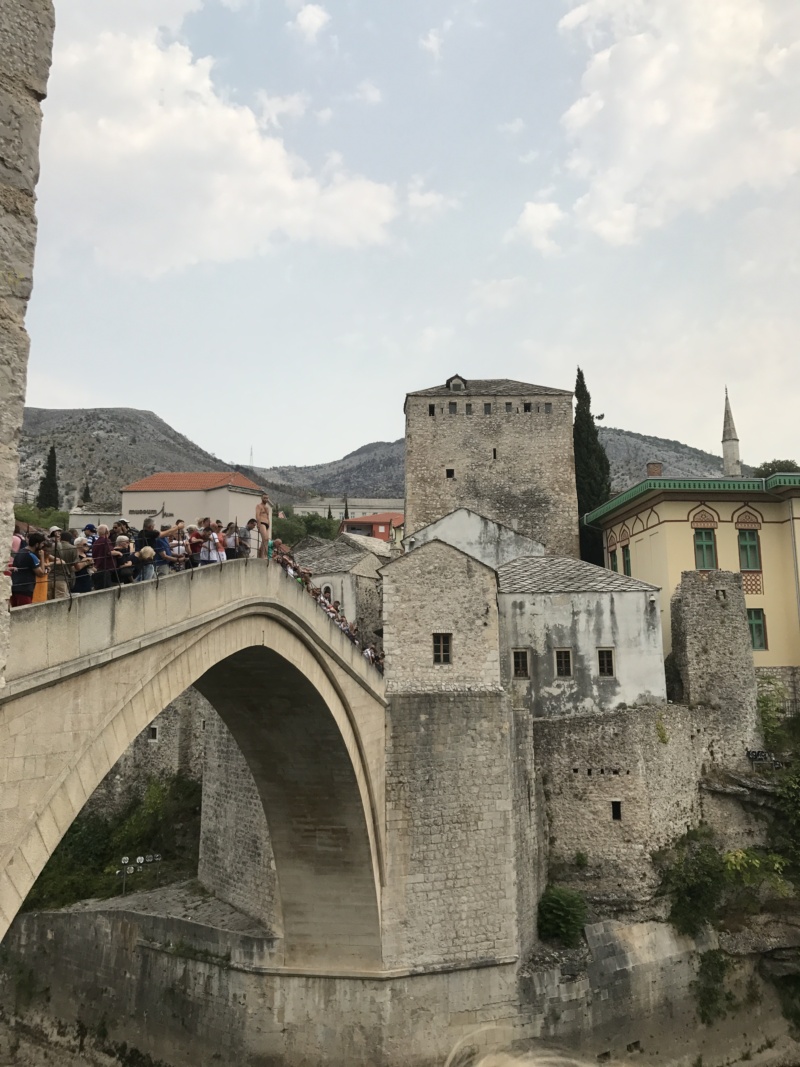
731, 463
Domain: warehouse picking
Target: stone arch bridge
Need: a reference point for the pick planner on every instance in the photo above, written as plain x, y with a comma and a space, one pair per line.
85, 678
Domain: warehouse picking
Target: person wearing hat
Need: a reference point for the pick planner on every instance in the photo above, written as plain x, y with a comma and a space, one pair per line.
90, 533
62, 570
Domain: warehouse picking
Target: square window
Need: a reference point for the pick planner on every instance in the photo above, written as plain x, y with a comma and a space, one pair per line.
452, 408
526, 407
152, 733
450, 472
616, 810
626, 560
749, 551
468, 409
612, 556
487, 409
605, 662
705, 550
563, 663
521, 669
509, 407
442, 648
548, 409
758, 629
456, 387
431, 409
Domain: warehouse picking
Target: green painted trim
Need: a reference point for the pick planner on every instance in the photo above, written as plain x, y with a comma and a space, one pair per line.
706, 485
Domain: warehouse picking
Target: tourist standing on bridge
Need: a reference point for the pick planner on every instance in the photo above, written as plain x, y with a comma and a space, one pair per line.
62, 573
27, 566
82, 567
264, 524
103, 560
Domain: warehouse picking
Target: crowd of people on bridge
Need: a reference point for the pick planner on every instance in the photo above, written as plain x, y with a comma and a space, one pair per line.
63, 564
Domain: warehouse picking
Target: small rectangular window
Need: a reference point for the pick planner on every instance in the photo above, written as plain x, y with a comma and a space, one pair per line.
705, 550
749, 551
526, 407
450, 472
452, 408
563, 663
152, 733
626, 560
487, 409
616, 810
612, 556
758, 629
605, 662
521, 669
442, 648
494, 453
509, 407
468, 408
548, 409
431, 409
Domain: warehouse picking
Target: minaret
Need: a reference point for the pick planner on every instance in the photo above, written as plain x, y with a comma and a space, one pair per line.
731, 463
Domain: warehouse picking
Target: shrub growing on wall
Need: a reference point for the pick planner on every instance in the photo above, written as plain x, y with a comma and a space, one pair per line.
562, 916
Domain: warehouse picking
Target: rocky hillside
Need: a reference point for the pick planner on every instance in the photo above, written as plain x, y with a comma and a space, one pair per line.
109, 447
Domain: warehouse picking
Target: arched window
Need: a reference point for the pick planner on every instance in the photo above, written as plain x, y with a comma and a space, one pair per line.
327, 592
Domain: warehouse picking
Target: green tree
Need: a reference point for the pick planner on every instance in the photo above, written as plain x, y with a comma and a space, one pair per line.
321, 527
346, 511
289, 530
592, 471
330, 513
776, 466
86, 493
47, 497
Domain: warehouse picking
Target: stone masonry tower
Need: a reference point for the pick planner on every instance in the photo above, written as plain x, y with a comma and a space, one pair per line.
731, 463
499, 447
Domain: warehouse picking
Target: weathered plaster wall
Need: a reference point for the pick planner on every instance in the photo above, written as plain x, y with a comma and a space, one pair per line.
26, 37
627, 623
450, 893
529, 486
437, 589
236, 860
484, 540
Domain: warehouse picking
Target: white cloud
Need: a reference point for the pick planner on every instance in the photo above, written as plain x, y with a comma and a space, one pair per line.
498, 294
535, 225
309, 22
432, 41
683, 104
367, 92
426, 203
273, 108
513, 128
324, 115
147, 164
435, 337
529, 157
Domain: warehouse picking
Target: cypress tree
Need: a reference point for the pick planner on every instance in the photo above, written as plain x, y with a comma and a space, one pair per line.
86, 493
47, 496
592, 471
346, 509
330, 513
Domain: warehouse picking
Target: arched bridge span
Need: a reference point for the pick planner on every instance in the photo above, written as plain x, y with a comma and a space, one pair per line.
83, 680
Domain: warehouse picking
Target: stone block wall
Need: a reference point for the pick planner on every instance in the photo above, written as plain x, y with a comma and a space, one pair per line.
172, 744
369, 610
236, 860
450, 892
26, 36
437, 589
515, 467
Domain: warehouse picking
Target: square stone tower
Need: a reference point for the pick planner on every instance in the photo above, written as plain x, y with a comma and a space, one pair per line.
499, 447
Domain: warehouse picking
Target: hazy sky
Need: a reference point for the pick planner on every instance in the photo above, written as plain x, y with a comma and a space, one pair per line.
267, 220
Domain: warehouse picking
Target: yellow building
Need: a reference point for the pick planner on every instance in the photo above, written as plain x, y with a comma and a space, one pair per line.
663, 526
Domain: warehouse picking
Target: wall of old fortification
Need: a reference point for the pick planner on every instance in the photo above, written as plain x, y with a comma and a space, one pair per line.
450, 893
26, 36
437, 589
236, 860
529, 486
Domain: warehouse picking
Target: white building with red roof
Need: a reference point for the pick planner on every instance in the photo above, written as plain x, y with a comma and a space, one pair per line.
168, 497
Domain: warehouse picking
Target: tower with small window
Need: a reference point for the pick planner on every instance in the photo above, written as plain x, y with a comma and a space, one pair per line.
502, 449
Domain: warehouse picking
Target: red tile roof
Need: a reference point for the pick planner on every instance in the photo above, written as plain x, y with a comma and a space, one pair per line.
386, 517
188, 481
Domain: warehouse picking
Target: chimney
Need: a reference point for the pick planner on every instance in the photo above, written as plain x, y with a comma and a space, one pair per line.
655, 470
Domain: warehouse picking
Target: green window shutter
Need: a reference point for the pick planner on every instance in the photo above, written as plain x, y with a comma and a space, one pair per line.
749, 551
758, 628
705, 553
613, 559
626, 560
